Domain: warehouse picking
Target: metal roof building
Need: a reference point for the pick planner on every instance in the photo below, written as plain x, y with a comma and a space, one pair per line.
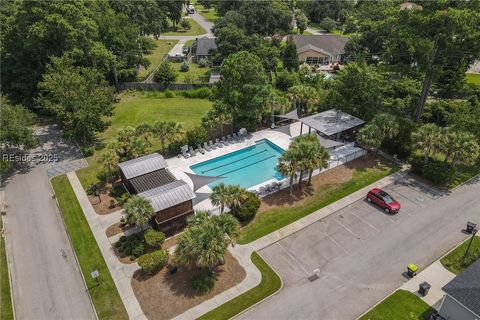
143, 165
151, 180
169, 195
331, 122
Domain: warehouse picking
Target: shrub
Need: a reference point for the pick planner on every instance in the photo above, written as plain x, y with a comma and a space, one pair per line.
196, 136
286, 79
200, 93
436, 171
154, 238
185, 24
249, 207
165, 73
185, 66
204, 62
123, 238
328, 24
169, 93
203, 282
87, 151
123, 198
152, 262
117, 191
138, 249
91, 189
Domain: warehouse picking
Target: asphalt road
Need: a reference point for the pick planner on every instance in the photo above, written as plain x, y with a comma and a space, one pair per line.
46, 280
361, 252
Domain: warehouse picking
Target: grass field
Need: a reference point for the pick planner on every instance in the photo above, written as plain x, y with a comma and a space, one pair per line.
106, 299
276, 218
137, 107
195, 30
6, 308
454, 261
270, 284
209, 14
473, 78
401, 305
156, 56
199, 75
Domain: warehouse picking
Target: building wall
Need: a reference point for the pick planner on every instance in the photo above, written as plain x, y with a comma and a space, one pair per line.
171, 212
452, 310
303, 57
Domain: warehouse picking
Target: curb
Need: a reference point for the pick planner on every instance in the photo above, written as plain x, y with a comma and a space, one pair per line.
73, 249
8, 267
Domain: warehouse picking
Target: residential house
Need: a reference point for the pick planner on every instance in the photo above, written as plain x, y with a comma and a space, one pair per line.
320, 49
202, 48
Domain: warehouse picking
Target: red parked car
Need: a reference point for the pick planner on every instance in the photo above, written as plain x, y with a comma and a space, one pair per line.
383, 200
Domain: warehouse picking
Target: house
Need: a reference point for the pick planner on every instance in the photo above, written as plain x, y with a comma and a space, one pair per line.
320, 49
202, 48
462, 295
171, 199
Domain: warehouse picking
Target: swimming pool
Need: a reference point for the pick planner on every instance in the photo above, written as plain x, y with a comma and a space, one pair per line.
247, 167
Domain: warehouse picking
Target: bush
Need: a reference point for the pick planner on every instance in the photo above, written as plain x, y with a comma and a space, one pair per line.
131, 245
249, 207
200, 93
91, 189
154, 238
117, 191
153, 262
185, 66
196, 136
203, 282
123, 198
204, 62
286, 79
169, 93
138, 249
123, 238
165, 73
328, 24
436, 171
87, 151
185, 24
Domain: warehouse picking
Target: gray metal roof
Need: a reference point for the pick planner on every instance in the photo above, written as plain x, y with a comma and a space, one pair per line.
143, 165
168, 195
465, 288
151, 180
329, 44
332, 121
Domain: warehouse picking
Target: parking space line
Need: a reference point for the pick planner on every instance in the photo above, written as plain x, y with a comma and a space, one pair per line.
338, 244
293, 257
373, 227
354, 234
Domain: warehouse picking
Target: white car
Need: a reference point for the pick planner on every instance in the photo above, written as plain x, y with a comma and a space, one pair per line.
190, 9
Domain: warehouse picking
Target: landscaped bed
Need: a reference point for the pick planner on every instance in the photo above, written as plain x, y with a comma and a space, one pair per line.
454, 261
117, 228
106, 198
165, 295
401, 305
281, 209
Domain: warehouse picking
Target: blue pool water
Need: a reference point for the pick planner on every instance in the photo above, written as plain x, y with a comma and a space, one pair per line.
246, 167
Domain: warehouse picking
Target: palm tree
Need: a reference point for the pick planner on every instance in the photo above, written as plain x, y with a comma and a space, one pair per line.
125, 138
219, 196
167, 131
427, 138
235, 196
370, 137
145, 130
110, 157
275, 101
288, 165
138, 210
460, 147
314, 155
387, 124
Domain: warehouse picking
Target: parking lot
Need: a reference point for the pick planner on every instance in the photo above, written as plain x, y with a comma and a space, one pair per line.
341, 265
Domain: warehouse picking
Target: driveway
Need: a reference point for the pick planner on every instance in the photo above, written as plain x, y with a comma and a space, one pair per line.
46, 280
361, 253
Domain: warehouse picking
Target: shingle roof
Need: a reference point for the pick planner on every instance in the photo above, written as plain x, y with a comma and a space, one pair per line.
143, 165
152, 180
329, 44
465, 288
169, 195
202, 46
332, 121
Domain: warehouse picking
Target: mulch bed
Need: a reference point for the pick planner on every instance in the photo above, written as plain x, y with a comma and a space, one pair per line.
116, 229
336, 175
102, 206
164, 296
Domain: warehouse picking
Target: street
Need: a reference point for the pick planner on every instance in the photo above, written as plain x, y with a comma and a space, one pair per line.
46, 280
361, 252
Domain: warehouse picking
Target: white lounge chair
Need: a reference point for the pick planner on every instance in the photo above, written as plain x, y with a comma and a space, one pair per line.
218, 143
184, 150
212, 145
206, 146
191, 151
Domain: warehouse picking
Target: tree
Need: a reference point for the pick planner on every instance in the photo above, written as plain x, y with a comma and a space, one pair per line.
79, 98
217, 117
302, 21
370, 137
220, 196
387, 124
131, 144
275, 102
235, 196
138, 210
460, 147
266, 17
168, 131
242, 88
165, 73
185, 24
427, 138
110, 157
314, 155
16, 126
205, 240
290, 57
288, 165
328, 24
319, 9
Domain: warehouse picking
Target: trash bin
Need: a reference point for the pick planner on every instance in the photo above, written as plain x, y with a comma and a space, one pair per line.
412, 270
471, 226
423, 288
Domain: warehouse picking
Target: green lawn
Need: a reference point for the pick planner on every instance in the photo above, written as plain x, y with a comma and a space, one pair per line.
209, 14
270, 284
473, 78
401, 305
137, 107
195, 30
454, 261
274, 219
199, 75
105, 296
156, 56
463, 174
6, 308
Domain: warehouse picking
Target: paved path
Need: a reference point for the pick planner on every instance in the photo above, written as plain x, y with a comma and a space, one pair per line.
121, 273
475, 67
362, 254
45, 285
